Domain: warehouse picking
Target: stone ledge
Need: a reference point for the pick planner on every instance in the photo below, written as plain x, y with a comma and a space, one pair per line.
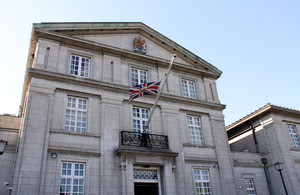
196, 159
197, 146
144, 150
66, 150
76, 134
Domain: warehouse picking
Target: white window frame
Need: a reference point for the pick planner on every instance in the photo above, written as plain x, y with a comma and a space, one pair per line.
195, 130
188, 88
138, 76
83, 65
250, 187
202, 181
76, 114
294, 136
72, 178
140, 117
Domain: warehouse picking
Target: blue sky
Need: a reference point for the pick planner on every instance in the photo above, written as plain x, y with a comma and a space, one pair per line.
255, 43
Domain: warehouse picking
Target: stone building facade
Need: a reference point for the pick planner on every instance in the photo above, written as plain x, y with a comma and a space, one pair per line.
263, 138
9, 131
80, 134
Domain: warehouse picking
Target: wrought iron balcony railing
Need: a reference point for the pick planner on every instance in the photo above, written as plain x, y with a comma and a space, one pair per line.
129, 138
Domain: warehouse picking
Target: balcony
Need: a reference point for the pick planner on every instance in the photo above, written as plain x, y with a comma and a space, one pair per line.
129, 138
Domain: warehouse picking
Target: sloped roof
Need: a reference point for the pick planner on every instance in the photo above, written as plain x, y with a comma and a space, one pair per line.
263, 109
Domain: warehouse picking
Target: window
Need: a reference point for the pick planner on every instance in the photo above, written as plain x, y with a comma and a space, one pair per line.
145, 174
188, 88
72, 179
294, 136
140, 118
76, 115
195, 131
80, 66
202, 182
138, 76
249, 186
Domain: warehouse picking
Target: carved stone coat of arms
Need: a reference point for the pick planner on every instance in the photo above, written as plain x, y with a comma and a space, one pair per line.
140, 45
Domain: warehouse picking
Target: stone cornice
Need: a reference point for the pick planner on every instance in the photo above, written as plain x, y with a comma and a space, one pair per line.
36, 73
78, 151
145, 151
199, 159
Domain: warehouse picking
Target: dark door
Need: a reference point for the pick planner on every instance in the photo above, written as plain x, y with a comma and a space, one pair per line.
146, 189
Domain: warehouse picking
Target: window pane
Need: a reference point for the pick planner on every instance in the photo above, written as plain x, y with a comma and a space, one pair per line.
188, 88
138, 76
195, 131
72, 183
294, 136
140, 118
79, 66
249, 183
202, 185
76, 115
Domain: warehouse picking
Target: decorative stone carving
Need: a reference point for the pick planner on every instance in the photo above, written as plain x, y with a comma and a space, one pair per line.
140, 45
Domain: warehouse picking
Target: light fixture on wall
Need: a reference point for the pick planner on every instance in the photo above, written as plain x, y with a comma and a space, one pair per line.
53, 154
279, 166
216, 165
3, 145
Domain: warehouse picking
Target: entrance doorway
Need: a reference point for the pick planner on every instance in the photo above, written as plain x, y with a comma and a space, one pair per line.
146, 189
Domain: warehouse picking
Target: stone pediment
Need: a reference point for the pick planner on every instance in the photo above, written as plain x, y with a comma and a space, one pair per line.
126, 41
130, 37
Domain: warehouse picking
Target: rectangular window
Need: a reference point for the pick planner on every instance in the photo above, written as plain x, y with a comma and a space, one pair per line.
202, 182
249, 186
294, 136
76, 115
188, 88
140, 118
195, 131
138, 76
80, 66
72, 179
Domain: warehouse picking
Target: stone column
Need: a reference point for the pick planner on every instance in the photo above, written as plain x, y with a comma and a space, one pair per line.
223, 155
169, 185
32, 155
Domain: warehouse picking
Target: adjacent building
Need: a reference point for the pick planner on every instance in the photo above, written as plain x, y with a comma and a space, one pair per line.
265, 137
9, 131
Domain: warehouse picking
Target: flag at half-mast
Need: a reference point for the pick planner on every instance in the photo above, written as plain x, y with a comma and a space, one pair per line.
144, 89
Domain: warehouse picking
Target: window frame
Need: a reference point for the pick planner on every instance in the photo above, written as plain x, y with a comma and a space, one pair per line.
197, 130
86, 70
201, 181
140, 81
72, 177
186, 92
141, 119
82, 113
146, 180
250, 187
294, 136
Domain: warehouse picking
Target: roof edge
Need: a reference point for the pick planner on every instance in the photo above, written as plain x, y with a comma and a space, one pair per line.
124, 25
261, 110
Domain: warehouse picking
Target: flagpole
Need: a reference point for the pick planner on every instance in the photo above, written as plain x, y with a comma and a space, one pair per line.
160, 91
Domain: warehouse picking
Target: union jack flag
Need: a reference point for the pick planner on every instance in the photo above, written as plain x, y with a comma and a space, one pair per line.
144, 89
